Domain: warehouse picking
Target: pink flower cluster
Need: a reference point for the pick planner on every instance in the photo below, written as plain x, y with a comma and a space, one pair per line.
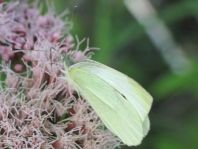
38, 108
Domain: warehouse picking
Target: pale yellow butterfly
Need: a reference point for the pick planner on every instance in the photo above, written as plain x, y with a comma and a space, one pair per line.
120, 102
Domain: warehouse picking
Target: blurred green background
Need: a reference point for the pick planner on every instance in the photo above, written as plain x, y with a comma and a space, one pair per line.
125, 45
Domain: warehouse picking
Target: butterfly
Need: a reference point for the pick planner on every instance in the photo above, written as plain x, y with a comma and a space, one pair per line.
119, 101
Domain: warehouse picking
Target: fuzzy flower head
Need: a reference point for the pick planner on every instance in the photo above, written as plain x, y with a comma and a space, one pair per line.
38, 108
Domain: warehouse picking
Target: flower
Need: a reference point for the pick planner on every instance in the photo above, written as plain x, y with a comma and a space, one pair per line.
38, 107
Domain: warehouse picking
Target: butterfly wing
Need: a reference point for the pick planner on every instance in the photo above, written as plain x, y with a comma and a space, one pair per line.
109, 93
139, 99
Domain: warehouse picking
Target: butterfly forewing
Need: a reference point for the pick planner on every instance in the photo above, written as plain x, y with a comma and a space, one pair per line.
139, 99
